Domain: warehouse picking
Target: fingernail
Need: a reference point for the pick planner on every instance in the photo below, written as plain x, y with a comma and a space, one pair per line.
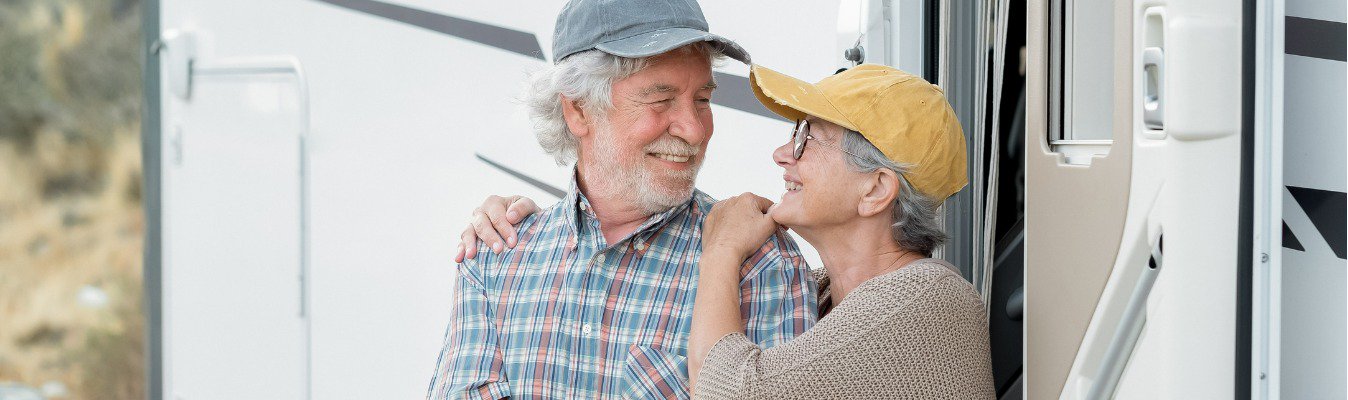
496, 248
512, 215
511, 241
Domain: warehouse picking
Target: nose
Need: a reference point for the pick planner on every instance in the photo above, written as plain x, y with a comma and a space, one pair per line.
687, 124
784, 155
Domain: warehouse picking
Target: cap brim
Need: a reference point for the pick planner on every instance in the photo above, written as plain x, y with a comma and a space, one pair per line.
663, 40
793, 98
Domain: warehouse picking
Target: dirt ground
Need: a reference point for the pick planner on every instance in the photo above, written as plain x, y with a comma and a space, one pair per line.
71, 225
71, 232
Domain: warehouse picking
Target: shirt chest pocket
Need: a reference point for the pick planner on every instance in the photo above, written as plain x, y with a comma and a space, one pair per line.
651, 372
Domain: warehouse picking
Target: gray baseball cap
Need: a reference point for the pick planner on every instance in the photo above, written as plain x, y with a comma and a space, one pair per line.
634, 28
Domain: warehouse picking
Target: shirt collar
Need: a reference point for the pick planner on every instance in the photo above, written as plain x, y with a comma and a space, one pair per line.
577, 210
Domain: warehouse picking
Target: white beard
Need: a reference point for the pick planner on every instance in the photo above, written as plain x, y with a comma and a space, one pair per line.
639, 182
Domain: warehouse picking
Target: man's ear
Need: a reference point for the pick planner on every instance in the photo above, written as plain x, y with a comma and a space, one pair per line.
880, 191
577, 118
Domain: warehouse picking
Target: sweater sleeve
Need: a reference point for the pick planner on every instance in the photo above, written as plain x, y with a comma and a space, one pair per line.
920, 334
812, 364
729, 361
736, 368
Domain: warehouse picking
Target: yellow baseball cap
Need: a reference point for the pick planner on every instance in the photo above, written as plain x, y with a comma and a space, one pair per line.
904, 116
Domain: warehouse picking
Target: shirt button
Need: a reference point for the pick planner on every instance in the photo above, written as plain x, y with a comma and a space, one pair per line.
599, 259
640, 246
585, 329
583, 207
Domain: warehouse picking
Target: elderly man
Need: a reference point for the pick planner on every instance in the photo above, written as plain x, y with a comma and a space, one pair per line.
595, 299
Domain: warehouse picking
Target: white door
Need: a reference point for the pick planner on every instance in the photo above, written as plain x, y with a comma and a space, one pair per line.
1133, 203
235, 327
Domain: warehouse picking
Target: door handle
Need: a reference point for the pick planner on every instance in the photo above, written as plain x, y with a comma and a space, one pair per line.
1153, 87
1152, 77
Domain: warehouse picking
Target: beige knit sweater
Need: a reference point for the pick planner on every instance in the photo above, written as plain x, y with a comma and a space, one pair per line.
916, 333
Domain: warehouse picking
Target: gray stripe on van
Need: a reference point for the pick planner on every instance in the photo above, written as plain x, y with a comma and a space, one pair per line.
552, 190
735, 92
507, 39
1289, 239
1327, 211
1316, 38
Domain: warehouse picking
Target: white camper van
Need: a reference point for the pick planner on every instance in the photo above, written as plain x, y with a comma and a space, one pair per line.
1155, 209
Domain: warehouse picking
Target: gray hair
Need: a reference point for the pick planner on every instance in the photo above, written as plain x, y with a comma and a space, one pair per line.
588, 77
914, 215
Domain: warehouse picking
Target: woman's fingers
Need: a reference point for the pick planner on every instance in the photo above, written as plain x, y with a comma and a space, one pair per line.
519, 208
493, 224
739, 223
752, 201
486, 232
467, 244
762, 203
495, 209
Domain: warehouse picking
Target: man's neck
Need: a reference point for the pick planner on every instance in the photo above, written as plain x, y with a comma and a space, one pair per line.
857, 252
617, 213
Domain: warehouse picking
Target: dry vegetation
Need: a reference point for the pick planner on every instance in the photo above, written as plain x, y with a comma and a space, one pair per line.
71, 225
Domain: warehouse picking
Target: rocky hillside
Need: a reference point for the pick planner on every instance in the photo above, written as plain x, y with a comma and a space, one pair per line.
71, 226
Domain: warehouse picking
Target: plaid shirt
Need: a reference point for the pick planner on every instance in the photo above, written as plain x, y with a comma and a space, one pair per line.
566, 315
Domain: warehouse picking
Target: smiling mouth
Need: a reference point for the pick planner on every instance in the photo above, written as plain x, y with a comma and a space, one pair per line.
794, 186
671, 157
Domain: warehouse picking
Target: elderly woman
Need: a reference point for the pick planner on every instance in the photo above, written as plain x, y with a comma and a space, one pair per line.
873, 153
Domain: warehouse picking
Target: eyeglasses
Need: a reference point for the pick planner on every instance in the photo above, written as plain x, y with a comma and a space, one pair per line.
802, 134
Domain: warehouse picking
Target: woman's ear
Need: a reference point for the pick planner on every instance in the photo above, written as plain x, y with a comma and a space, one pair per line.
576, 116
881, 190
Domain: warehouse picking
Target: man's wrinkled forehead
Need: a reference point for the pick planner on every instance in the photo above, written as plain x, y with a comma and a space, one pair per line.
666, 88
655, 79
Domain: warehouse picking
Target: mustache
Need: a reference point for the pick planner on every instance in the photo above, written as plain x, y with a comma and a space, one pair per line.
673, 146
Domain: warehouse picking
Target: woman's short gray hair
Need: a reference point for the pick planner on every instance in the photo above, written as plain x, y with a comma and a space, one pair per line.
586, 76
914, 215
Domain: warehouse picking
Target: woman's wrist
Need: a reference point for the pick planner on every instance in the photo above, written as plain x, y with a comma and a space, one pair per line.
721, 259
727, 251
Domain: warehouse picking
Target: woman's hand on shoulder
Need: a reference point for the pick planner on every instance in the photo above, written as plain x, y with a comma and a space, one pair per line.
493, 223
738, 226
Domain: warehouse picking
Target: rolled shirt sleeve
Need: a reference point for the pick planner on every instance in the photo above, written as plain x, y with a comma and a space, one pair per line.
470, 363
